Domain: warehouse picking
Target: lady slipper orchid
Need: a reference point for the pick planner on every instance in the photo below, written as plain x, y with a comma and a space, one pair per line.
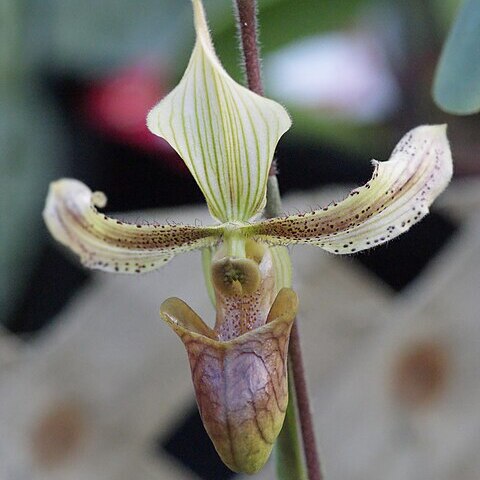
227, 135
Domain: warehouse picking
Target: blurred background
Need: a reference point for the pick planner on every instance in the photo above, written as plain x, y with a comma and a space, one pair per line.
92, 384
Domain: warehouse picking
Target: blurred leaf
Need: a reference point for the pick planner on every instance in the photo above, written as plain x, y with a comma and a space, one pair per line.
361, 139
30, 146
445, 10
457, 82
281, 22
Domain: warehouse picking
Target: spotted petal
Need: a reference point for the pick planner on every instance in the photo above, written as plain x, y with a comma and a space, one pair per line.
225, 133
111, 245
396, 197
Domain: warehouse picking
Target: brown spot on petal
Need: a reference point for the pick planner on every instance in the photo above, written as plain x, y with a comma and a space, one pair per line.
58, 434
420, 374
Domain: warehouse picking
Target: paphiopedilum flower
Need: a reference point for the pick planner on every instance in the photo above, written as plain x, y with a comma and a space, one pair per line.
226, 135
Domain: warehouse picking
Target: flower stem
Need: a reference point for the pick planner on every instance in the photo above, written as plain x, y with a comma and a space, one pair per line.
303, 403
289, 458
247, 26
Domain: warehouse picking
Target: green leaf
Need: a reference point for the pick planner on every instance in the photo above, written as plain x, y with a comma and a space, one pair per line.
456, 87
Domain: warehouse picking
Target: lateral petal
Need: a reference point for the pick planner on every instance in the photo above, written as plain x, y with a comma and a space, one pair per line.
397, 196
225, 133
111, 245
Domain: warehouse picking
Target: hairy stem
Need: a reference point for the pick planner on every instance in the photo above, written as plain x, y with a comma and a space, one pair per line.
247, 26
303, 403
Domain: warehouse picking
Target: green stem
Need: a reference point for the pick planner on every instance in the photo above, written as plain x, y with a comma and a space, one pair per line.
304, 410
234, 244
288, 449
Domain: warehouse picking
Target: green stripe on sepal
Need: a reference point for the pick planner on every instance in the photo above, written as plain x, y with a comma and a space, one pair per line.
225, 133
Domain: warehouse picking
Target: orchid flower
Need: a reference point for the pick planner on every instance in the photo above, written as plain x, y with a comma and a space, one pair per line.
227, 135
